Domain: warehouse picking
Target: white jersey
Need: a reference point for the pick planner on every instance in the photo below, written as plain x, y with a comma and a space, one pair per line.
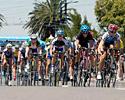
106, 35
60, 44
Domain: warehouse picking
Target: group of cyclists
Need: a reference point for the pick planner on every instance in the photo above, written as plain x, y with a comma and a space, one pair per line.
14, 56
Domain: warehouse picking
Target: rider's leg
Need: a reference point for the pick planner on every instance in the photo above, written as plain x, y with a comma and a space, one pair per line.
100, 66
101, 62
10, 70
39, 68
62, 61
53, 61
71, 64
47, 67
14, 68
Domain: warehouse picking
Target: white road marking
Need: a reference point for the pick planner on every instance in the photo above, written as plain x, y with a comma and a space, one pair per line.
121, 89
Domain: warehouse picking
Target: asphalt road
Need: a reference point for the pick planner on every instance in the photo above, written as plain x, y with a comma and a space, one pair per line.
61, 93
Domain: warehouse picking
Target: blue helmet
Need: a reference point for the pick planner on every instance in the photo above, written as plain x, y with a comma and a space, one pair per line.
85, 28
60, 32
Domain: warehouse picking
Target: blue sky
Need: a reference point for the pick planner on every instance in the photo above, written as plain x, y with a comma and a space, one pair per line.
16, 14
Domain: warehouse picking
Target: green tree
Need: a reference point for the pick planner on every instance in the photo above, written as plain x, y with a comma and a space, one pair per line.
45, 17
111, 11
85, 21
42, 16
75, 24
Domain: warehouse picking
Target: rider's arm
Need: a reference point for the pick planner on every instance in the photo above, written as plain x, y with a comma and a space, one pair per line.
101, 44
19, 56
91, 43
3, 57
51, 46
51, 49
76, 44
27, 51
39, 50
100, 47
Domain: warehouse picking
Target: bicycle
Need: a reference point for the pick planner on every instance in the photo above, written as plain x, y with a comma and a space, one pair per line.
55, 71
109, 71
8, 72
85, 68
65, 70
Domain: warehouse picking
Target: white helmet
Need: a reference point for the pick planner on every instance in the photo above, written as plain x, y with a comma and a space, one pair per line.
9, 45
68, 38
17, 46
74, 38
33, 36
24, 45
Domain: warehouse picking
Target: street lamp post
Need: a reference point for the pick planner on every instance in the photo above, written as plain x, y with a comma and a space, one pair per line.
54, 15
65, 13
65, 9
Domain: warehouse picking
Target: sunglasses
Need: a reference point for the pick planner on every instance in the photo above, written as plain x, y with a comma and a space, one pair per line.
111, 31
59, 35
33, 39
84, 32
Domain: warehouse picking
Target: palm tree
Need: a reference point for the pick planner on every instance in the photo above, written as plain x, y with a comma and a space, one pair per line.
1, 19
42, 16
76, 23
45, 17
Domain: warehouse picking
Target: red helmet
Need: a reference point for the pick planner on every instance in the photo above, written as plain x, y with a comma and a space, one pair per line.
112, 27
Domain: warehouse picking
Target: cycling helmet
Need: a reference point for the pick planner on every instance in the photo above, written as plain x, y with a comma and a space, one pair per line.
112, 27
85, 28
24, 44
33, 36
17, 46
68, 38
9, 45
60, 32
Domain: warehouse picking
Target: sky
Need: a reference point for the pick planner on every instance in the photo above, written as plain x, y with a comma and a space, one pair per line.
16, 14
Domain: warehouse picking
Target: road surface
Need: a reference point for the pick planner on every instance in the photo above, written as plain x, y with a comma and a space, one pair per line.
61, 93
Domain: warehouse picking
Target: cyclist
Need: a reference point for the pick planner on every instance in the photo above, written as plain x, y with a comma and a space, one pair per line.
48, 56
71, 60
34, 47
15, 51
7, 58
108, 40
59, 44
21, 56
84, 40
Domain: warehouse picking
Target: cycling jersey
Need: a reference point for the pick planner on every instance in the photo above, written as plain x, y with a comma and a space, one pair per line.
8, 54
121, 44
34, 49
15, 53
110, 39
59, 45
83, 41
37, 42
